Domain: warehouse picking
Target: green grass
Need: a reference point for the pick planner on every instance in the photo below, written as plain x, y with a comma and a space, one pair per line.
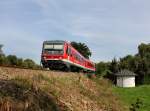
130, 95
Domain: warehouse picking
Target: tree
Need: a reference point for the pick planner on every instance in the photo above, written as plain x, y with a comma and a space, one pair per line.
144, 50
20, 62
114, 67
138, 63
127, 62
2, 60
28, 63
2, 56
1, 51
144, 63
82, 48
12, 59
102, 68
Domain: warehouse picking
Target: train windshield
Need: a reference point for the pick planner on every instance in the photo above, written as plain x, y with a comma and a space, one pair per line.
53, 48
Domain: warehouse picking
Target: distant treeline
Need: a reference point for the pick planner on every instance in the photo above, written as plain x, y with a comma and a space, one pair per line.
138, 63
12, 60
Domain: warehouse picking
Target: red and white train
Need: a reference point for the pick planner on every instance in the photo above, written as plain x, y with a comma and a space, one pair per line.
60, 55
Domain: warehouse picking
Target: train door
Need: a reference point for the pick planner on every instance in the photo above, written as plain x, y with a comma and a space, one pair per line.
70, 54
66, 52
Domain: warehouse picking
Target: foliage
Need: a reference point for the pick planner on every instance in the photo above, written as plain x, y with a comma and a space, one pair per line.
139, 63
102, 69
2, 60
12, 60
144, 50
1, 51
114, 67
136, 106
82, 48
29, 63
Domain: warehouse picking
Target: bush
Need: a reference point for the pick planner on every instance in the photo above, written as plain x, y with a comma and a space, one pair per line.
20, 62
2, 59
12, 60
136, 106
28, 63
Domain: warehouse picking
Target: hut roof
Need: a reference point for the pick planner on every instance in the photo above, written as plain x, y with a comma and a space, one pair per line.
125, 72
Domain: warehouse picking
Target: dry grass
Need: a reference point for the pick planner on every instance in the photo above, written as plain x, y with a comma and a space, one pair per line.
56, 91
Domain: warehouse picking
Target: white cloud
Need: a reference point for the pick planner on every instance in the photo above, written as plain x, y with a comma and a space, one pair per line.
110, 28
48, 6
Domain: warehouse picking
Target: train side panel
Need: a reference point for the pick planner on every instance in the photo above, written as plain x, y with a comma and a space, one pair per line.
75, 58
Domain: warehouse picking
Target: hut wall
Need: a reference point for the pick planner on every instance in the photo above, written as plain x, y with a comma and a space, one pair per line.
126, 81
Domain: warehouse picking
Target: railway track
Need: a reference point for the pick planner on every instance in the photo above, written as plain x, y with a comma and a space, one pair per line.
90, 75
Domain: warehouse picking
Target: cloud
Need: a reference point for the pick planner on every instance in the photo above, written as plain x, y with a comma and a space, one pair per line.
111, 28
48, 7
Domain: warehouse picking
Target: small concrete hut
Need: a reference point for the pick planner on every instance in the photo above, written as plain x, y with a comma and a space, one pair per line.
125, 78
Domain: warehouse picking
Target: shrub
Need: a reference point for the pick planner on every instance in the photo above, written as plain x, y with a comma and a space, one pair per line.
2, 59
12, 60
136, 106
28, 63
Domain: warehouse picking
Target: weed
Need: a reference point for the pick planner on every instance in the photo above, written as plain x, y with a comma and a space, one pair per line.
136, 106
22, 82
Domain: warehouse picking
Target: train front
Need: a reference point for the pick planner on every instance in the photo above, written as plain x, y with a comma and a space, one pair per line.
52, 55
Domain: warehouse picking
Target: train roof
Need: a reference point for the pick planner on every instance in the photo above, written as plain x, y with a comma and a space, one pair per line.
54, 41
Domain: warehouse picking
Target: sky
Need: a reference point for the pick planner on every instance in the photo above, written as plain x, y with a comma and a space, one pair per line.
110, 28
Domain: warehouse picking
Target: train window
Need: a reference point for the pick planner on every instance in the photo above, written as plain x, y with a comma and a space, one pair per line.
58, 46
53, 48
48, 46
78, 57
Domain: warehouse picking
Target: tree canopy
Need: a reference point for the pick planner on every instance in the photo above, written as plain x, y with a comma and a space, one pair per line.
1, 51
138, 63
82, 48
12, 60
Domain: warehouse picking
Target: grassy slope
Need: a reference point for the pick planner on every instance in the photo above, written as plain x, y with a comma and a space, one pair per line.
130, 95
54, 91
